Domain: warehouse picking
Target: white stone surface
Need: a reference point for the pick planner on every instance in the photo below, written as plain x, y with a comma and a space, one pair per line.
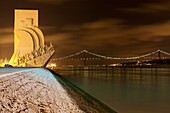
34, 91
24, 19
28, 38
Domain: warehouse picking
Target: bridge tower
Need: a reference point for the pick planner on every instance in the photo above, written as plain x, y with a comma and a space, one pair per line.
159, 54
84, 59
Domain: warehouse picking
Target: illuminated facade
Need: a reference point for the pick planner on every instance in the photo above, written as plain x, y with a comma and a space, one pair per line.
29, 47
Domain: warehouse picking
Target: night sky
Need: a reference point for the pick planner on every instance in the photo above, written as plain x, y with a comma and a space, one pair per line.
108, 27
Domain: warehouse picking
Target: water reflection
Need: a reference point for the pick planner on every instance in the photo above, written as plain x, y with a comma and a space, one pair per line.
127, 90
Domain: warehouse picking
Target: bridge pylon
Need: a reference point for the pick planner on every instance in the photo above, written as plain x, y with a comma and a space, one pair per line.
84, 59
159, 54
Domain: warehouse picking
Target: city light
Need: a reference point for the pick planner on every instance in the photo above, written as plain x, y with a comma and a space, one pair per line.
51, 65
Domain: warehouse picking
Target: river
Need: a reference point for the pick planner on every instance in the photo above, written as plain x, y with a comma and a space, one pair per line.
126, 90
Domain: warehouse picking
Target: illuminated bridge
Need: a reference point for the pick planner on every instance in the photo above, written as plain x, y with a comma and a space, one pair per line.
86, 58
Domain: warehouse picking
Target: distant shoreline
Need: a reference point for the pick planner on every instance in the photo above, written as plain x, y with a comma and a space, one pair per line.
107, 67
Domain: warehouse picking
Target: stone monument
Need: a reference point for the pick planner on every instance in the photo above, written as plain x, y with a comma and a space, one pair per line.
29, 47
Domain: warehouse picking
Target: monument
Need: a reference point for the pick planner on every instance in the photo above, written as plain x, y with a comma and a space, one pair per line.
29, 47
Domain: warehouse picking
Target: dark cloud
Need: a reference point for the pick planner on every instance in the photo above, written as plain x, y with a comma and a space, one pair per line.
52, 2
152, 12
6, 36
6, 42
111, 37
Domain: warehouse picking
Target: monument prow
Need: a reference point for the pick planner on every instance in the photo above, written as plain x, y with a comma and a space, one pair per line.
29, 47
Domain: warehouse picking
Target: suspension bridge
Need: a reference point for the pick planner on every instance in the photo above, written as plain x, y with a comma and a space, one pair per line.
86, 58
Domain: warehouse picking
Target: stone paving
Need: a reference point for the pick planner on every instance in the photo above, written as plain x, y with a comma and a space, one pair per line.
34, 91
